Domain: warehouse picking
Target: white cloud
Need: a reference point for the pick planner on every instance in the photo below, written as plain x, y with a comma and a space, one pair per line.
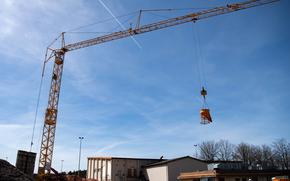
109, 147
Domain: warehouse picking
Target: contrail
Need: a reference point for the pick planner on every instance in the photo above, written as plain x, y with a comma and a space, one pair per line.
109, 11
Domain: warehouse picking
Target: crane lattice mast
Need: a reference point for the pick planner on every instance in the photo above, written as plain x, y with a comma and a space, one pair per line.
50, 120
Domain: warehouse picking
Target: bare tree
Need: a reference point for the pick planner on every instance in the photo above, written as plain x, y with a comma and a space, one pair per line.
226, 150
245, 153
242, 152
256, 156
253, 156
262, 157
209, 150
267, 157
282, 152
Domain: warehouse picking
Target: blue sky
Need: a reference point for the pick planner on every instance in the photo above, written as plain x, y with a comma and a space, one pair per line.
144, 102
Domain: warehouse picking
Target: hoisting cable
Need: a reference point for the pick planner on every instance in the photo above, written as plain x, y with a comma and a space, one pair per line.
89, 32
204, 112
158, 15
99, 22
73, 30
197, 53
200, 60
101, 32
37, 103
46, 59
178, 9
196, 68
150, 11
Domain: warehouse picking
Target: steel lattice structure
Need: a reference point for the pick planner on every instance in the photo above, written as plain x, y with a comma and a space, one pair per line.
48, 135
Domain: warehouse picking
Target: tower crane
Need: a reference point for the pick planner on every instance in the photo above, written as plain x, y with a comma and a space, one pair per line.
50, 118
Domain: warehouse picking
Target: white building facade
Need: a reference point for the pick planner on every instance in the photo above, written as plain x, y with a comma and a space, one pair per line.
117, 169
169, 170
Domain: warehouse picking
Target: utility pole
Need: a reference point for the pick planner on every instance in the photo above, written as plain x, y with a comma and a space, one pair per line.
195, 146
81, 138
61, 166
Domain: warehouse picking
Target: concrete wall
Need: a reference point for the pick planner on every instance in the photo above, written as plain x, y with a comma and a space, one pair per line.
184, 165
159, 173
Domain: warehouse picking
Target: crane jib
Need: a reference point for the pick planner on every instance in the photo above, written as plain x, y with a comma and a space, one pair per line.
192, 17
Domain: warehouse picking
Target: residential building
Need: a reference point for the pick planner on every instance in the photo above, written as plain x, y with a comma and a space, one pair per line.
169, 170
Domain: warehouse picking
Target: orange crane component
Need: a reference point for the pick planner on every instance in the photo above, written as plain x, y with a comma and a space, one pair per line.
50, 120
204, 112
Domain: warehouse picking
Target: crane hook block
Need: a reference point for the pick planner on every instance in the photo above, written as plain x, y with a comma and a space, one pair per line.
205, 116
203, 92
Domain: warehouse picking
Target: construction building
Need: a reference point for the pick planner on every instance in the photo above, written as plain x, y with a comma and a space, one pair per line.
136, 169
169, 170
179, 169
233, 175
25, 162
225, 165
117, 168
231, 171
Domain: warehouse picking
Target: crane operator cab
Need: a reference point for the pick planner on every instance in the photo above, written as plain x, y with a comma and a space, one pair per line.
204, 111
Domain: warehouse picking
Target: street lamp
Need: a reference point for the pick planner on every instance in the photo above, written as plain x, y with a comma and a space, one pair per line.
80, 138
61, 166
195, 146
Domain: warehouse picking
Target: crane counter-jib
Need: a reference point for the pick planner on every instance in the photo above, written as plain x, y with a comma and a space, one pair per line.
192, 17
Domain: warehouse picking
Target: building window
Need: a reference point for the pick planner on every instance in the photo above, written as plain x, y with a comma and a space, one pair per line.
210, 179
132, 172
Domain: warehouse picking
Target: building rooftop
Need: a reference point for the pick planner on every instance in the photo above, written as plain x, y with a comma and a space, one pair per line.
164, 162
218, 172
125, 158
221, 161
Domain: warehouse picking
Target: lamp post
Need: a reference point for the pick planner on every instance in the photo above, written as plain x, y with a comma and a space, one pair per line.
195, 146
80, 138
61, 166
